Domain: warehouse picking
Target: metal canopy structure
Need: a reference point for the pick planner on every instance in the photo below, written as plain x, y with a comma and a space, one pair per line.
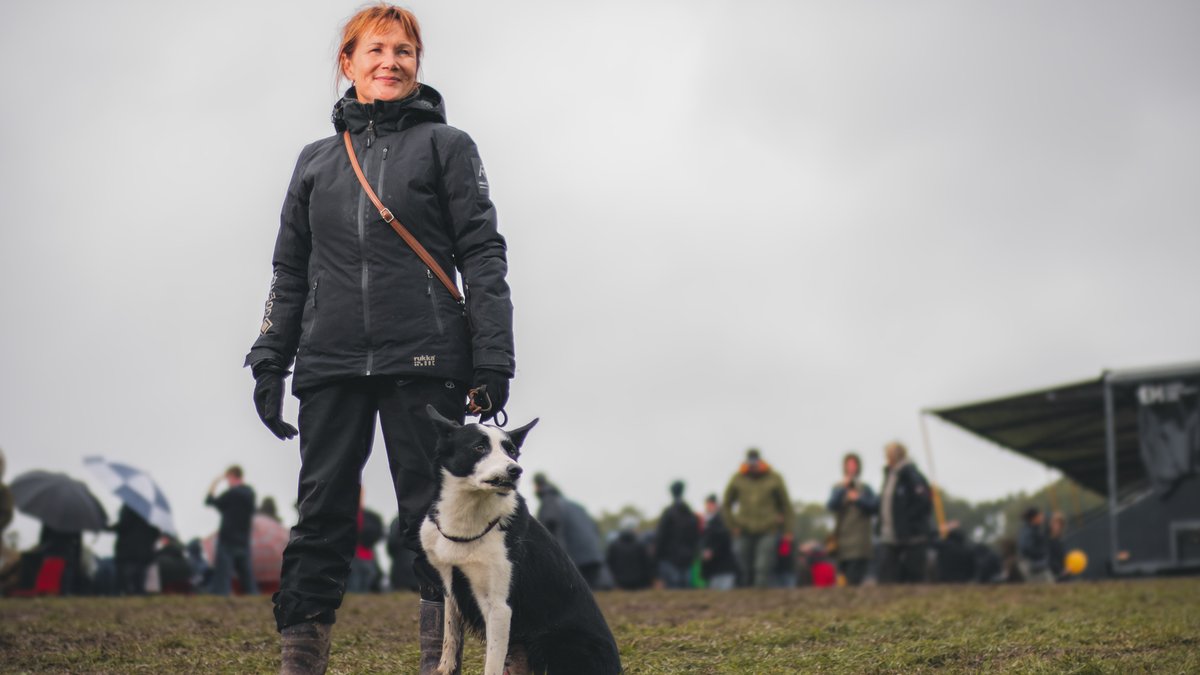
1090, 432
1066, 427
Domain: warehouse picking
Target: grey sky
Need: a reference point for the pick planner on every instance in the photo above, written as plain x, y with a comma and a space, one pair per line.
789, 225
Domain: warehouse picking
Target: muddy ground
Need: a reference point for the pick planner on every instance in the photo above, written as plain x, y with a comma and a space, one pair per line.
1117, 627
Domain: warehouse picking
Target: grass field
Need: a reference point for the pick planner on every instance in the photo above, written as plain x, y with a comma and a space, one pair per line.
1112, 627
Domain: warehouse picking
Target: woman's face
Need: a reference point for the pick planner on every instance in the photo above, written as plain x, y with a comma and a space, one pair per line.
383, 66
850, 467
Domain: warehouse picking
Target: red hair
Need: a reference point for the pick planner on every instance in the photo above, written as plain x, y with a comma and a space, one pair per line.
377, 19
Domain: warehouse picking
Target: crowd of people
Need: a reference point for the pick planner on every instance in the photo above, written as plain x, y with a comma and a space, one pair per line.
743, 538
748, 539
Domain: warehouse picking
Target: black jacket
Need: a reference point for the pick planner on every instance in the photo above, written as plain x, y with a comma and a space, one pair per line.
912, 504
629, 562
136, 538
237, 514
348, 297
717, 541
678, 538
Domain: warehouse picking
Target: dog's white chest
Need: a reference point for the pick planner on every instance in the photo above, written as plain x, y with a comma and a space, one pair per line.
443, 551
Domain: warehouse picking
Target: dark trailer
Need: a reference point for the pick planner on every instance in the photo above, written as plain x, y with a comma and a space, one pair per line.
1130, 435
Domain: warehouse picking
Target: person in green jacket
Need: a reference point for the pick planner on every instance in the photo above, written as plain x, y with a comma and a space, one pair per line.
759, 514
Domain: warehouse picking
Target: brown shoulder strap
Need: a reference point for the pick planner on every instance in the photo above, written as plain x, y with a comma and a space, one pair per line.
390, 219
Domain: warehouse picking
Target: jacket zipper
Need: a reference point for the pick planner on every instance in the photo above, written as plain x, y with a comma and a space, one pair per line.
362, 254
437, 316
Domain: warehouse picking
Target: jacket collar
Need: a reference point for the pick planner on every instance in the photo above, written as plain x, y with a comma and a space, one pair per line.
423, 105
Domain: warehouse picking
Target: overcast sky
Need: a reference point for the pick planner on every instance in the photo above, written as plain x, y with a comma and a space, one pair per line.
783, 224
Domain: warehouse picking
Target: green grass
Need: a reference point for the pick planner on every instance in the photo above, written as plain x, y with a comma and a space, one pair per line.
1150, 626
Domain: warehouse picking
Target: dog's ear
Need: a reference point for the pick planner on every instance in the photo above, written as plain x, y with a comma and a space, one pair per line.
444, 426
518, 435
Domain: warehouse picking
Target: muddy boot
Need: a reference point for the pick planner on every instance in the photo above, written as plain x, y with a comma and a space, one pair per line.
305, 648
517, 661
432, 626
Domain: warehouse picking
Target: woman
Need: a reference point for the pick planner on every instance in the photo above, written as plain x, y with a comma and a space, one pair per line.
372, 330
853, 504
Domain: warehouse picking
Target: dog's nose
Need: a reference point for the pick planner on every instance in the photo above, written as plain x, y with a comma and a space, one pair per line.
514, 471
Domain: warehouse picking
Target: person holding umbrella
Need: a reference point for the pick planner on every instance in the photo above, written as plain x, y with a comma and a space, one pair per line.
144, 517
376, 222
134, 550
66, 509
236, 505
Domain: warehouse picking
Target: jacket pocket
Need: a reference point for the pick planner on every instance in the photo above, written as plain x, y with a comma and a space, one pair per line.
429, 293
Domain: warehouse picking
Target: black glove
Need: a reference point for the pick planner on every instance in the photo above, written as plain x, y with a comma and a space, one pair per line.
488, 394
268, 398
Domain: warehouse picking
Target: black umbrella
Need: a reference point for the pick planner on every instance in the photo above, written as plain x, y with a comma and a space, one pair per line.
58, 500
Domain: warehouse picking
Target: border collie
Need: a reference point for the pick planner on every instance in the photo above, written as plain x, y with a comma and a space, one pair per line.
505, 575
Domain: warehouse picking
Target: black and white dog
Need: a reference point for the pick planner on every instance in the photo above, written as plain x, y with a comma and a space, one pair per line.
505, 575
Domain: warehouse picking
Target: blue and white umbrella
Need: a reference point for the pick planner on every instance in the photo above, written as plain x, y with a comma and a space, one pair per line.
137, 490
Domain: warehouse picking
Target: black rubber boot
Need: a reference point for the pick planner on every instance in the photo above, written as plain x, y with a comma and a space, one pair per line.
305, 648
432, 626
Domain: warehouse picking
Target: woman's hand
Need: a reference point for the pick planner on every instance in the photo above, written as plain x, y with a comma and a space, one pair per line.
489, 394
268, 399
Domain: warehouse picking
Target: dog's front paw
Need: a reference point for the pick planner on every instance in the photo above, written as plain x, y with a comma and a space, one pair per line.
447, 665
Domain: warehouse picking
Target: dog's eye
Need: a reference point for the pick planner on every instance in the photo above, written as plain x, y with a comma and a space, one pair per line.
481, 448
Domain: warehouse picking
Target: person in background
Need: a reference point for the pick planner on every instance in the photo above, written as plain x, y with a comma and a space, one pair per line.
67, 545
955, 558
904, 511
9, 557
133, 551
201, 576
676, 541
174, 570
629, 558
853, 504
1010, 568
759, 513
365, 575
1054, 544
718, 564
236, 505
814, 566
267, 508
572, 526
785, 573
1033, 551
6, 500
989, 566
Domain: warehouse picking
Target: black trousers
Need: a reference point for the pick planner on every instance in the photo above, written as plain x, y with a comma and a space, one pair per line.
855, 570
903, 563
337, 428
131, 577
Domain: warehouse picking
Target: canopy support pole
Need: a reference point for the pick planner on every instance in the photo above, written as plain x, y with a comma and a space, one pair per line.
939, 511
1110, 433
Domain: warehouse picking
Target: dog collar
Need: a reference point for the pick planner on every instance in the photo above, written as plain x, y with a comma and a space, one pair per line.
463, 540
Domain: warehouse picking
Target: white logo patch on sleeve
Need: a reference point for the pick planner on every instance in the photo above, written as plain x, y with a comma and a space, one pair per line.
481, 180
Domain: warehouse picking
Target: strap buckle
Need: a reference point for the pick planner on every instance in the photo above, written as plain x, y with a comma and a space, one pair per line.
386, 213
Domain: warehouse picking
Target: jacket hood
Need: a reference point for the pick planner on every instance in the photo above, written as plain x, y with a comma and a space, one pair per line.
423, 105
763, 469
